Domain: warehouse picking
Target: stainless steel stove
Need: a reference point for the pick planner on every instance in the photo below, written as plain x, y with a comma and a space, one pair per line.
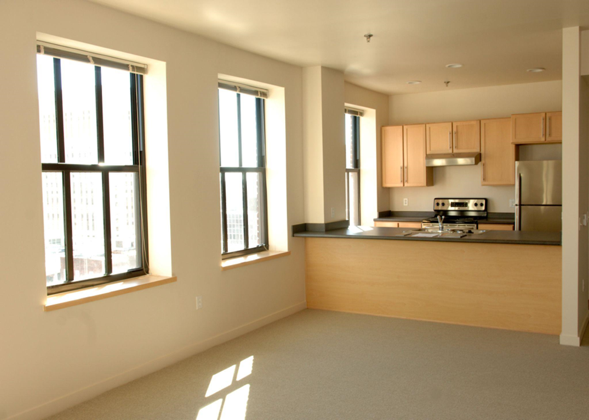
459, 215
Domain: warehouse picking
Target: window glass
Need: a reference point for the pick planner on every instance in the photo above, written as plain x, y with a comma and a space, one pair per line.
123, 216
116, 105
87, 225
79, 112
54, 228
228, 128
254, 208
249, 131
234, 190
350, 144
47, 119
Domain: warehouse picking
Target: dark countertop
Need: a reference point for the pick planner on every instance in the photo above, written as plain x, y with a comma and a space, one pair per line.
494, 218
494, 236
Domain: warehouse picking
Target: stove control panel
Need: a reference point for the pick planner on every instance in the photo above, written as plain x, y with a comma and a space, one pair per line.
468, 204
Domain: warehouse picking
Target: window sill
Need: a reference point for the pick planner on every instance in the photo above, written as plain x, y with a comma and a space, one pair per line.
252, 259
78, 297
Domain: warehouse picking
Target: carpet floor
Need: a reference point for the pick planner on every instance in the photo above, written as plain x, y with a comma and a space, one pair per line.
329, 365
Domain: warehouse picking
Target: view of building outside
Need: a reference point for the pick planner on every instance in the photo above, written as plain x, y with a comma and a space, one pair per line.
80, 135
230, 124
352, 173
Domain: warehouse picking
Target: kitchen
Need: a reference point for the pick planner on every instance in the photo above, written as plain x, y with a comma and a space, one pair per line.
497, 277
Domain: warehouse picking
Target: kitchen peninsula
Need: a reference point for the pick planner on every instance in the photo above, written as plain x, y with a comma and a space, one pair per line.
497, 279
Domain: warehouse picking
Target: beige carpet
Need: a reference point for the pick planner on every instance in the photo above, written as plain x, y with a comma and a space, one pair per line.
328, 365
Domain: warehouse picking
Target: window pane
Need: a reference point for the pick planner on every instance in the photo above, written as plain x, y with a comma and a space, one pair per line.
54, 228
354, 198
79, 112
254, 208
46, 90
87, 225
124, 221
228, 129
249, 131
116, 105
234, 189
350, 163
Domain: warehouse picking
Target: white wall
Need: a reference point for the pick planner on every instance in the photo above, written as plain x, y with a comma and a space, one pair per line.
467, 104
375, 197
46, 356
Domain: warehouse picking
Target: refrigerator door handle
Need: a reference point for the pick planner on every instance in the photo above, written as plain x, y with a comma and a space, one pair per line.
518, 202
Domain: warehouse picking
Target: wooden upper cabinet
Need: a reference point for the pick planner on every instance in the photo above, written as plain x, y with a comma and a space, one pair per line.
554, 126
498, 153
439, 138
392, 156
414, 150
467, 136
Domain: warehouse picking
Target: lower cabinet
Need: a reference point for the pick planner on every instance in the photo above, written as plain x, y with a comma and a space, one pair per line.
413, 225
386, 224
495, 226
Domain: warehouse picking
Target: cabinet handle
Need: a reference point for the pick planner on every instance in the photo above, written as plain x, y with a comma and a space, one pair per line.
543, 136
483, 171
401, 174
549, 131
450, 140
406, 174
454, 140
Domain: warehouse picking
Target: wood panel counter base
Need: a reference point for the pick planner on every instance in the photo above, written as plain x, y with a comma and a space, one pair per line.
512, 287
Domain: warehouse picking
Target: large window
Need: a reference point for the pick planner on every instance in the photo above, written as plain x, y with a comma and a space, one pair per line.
353, 168
243, 172
92, 159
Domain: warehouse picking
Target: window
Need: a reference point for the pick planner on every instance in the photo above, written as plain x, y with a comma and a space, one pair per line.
243, 172
92, 158
353, 168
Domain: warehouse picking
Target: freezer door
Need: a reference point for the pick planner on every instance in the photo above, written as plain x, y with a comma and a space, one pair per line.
540, 218
539, 182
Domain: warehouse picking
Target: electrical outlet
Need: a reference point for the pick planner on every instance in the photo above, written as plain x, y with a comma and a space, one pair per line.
512, 203
198, 302
405, 201
333, 212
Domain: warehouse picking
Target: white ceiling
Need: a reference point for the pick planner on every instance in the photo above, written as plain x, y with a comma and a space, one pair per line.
495, 40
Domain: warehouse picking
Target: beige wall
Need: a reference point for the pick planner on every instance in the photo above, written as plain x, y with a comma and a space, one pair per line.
377, 110
575, 192
585, 53
45, 357
466, 104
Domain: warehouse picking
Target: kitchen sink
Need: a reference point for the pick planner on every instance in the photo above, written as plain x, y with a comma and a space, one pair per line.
435, 233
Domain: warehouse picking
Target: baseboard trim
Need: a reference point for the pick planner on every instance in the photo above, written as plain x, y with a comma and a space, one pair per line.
69, 400
572, 340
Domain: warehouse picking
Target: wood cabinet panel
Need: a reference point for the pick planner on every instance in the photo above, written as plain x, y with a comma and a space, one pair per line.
439, 138
467, 136
412, 225
392, 156
416, 173
498, 153
554, 127
386, 224
516, 287
494, 226
528, 128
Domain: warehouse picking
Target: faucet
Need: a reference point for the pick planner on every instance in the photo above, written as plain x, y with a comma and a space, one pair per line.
440, 222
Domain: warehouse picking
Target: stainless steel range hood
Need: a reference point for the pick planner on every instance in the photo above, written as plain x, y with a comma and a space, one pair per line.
453, 159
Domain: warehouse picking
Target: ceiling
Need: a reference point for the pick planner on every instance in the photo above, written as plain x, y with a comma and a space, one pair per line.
495, 40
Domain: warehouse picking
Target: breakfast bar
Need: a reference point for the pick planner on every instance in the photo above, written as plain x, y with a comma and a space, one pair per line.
496, 279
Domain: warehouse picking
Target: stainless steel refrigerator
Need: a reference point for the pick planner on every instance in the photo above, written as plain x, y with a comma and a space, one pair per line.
538, 195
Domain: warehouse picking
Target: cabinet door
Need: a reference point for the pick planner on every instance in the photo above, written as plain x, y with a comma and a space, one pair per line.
498, 153
554, 126
392, 156
494, 226
467, 136
416, 174
528, 128
412, 225
439, 138
386, 224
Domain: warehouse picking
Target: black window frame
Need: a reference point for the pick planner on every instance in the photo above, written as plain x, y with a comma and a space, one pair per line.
356, 165
260, 169
138, 167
